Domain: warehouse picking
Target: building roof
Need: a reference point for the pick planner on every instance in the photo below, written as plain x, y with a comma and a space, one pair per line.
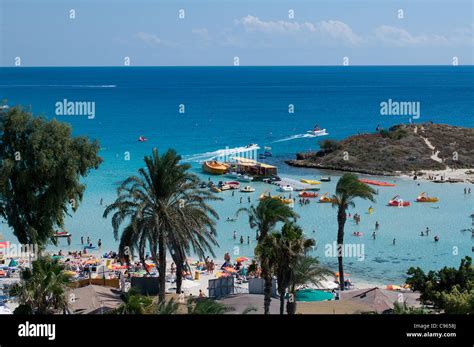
93, 299
381, 300
251, 302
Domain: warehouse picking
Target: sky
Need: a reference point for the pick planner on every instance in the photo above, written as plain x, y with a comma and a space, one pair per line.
214, 33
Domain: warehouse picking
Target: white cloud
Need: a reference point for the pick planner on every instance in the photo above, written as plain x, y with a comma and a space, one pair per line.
394, 36
324, 31
150, 39
201, 33
398, 37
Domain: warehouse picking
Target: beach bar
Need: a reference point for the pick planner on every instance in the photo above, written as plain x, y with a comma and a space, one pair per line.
252, 167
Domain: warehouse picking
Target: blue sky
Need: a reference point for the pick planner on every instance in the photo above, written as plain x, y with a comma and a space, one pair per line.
214, 32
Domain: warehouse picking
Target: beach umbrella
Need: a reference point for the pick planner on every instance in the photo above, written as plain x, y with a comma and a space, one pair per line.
241, 259
222, 274
4, 244
230, 269
337, 274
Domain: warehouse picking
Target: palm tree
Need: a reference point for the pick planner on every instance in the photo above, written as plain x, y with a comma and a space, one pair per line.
166, 210
306, 270
43, 288
134, 303
289, 248
264, 217
347, 189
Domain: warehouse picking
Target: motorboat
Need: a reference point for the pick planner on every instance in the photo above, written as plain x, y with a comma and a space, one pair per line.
325, 179
224, 187
396, 201
312, 182
286, 188
233, 184
247, 189
244, 178
61, 234
142, 139
232, 174
317, 131
214, 167
423, 198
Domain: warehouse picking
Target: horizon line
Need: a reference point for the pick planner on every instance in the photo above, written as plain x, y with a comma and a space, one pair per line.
232, 66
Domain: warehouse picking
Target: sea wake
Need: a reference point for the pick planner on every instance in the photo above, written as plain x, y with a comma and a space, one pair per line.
299, 136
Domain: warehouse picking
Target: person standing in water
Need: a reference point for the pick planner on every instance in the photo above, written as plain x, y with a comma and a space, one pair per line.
377, 225
69, 240
235, 235
82, 240
374, 235
241, 240
99, 243
393, 242
248, 240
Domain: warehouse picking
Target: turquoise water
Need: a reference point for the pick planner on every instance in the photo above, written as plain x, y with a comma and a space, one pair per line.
234, 107
312, 295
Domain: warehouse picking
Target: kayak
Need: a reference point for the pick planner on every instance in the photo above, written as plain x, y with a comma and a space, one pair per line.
308, 195
310, 182
377, 183
398, 202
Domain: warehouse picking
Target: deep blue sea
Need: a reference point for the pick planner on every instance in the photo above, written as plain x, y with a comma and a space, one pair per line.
235, 106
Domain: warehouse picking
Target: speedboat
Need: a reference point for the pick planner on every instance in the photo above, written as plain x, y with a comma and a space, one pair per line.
286, 188
423, 198
247, 189
396, 201
142, 139
317, 132
214, 167
325, 179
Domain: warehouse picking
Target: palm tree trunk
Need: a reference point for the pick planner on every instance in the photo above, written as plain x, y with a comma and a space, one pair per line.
179, 276
341, 221
162, 267
282, 302
267, 290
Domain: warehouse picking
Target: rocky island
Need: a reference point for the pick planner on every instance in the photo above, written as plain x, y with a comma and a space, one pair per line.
421, 149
